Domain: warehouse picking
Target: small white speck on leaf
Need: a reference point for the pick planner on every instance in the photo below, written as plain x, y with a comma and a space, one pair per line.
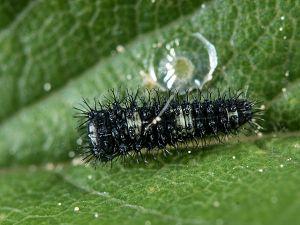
287, 73
79, 141
128, 76
260, 170
216, 204
47, 87
96, 215
120, 48
147, 222
59, 204
71, 154
76, 209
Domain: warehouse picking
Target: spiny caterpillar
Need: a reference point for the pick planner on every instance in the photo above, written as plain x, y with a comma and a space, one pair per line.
124, 126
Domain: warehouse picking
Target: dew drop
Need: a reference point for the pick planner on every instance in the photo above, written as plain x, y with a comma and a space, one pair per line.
184, 63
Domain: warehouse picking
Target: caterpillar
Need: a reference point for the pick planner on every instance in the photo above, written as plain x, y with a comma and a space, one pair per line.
124, 126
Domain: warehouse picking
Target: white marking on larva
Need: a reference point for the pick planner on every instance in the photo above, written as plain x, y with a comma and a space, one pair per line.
135, 122
180, 121
93, 134
229, 114
183, 120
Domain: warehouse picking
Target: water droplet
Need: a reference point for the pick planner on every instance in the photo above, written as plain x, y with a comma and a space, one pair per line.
47, 87
189, 152
281, 165
233, 157
282, 17
260, 170
96, 215
59, 204
183, 63
76, 209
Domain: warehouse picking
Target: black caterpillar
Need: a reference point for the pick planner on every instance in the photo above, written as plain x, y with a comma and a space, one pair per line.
127, 125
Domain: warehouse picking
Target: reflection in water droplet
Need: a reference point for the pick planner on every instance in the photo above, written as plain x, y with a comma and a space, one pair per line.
184, 63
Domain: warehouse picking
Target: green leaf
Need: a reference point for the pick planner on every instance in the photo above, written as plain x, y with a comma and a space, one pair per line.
55, 52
